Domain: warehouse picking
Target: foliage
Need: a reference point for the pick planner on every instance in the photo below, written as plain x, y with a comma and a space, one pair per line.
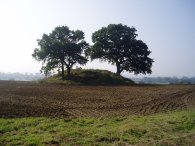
117, 44
165, 129
62, 47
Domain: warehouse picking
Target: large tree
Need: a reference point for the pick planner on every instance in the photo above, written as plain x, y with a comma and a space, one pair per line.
118, 45
61, 48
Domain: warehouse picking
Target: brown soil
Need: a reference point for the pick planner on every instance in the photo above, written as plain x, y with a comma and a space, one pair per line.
22, 99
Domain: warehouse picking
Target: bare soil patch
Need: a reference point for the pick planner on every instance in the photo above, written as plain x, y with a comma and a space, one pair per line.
24, 99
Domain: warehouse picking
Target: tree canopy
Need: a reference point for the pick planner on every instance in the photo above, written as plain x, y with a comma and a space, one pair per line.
61, 48
118, 45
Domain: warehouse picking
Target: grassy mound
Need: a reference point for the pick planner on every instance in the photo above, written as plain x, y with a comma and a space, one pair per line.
91, 77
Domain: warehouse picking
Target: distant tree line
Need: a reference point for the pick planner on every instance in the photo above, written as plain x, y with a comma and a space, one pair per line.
117, 44
146, 80
165, 80
20, 76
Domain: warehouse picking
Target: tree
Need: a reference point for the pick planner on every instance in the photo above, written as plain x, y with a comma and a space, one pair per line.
61, 48
118, 45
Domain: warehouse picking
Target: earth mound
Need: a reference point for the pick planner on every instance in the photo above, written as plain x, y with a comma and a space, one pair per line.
91, 77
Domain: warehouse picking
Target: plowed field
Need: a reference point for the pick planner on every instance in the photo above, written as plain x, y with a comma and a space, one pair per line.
22, 99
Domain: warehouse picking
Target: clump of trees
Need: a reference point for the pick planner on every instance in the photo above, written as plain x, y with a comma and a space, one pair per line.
61, 48
116, 43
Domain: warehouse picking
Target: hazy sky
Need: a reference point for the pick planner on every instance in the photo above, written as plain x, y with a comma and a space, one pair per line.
166, 26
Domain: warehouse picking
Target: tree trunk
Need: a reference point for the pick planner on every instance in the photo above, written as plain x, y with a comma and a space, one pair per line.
63, 72
68, 73
118, 72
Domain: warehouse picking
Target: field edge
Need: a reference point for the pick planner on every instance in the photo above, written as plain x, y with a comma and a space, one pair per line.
171, 128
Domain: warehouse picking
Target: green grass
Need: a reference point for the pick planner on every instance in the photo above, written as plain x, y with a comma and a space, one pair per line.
90, 77
166, 129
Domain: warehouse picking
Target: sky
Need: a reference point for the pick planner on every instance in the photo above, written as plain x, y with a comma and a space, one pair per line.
166, 26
